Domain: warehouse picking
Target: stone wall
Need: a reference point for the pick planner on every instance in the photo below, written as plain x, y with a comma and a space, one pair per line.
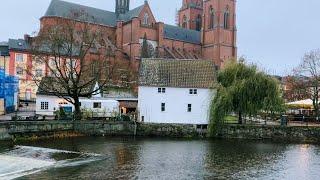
277, 133
34, 130
168, 130
12, 130
102, 128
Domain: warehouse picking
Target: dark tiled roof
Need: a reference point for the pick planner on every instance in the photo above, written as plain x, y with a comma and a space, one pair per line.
131, 14
4, 49
64, 9
182, 34
18, 44
177, 73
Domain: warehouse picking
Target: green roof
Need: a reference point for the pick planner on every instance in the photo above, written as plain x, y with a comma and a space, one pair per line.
177, 73
58, 8
182, 34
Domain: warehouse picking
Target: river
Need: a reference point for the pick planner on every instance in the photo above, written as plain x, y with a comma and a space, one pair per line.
128, 158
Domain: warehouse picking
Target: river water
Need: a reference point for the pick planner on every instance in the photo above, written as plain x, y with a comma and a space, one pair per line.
127, 158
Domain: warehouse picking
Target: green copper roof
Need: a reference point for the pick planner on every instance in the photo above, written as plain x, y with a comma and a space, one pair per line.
182, 34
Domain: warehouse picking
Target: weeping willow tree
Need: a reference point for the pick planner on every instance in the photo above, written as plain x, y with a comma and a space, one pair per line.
243, 90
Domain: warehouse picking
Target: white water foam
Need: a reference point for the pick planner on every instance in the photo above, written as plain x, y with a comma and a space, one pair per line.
25, 160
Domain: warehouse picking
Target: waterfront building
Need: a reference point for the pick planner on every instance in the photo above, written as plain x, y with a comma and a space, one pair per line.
23, 66
175, 91
107, 101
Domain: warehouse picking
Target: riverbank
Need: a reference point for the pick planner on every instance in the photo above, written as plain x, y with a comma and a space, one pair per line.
61, 129
302, 134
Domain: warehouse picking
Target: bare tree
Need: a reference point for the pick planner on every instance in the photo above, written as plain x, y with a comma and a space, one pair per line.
310, 70
77, 55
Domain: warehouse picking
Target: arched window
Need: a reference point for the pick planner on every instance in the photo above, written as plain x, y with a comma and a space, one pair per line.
226, 19
184, 21
198, 22
146, 19
211, 18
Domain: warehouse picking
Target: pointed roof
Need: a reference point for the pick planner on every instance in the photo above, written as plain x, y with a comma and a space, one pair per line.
177, 73
58, 8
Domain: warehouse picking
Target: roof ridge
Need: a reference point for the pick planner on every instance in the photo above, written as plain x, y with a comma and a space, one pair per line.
80, 5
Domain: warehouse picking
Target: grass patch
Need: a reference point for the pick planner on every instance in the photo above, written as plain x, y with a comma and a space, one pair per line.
231, 119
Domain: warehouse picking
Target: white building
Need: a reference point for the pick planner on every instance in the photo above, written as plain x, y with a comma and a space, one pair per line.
175, 91
47, 104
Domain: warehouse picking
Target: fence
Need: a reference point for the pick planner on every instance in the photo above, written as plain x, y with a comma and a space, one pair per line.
280, 120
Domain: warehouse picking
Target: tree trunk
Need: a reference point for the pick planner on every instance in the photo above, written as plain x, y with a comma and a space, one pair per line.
77, 109
240, 118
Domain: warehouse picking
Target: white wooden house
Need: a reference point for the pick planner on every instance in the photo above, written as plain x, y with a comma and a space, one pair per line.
47, 103
175, 91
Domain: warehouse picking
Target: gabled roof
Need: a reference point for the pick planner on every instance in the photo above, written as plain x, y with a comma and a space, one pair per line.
58, 8
131, 14
177, 73
18, 44
182, 34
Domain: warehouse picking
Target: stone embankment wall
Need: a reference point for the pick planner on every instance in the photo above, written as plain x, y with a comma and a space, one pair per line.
12, 130
130, 129
277, 133
34, 130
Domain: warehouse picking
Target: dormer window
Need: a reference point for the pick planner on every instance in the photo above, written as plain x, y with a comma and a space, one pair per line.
146, 19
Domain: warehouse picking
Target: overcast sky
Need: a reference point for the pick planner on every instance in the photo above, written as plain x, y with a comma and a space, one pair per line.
274, 33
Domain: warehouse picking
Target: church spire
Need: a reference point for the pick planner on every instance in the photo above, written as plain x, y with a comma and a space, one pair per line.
122, 6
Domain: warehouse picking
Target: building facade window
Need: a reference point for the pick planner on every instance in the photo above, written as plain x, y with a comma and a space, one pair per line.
163, 107
146, 19
97, 105
184, 22
44, 105
193, 91
198, 23
19, 71
162, 90
19, 57
226, 19
211, 18
189, 108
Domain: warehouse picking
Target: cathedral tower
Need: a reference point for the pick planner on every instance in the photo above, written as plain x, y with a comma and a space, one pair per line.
190, 14
122, 6
219, 31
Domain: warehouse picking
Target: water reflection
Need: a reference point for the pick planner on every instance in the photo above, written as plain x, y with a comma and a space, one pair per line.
127, 158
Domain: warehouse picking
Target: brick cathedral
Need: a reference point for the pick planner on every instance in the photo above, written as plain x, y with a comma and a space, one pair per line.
206, 29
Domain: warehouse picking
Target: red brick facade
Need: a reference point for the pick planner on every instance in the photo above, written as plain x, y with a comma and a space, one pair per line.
217, 44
